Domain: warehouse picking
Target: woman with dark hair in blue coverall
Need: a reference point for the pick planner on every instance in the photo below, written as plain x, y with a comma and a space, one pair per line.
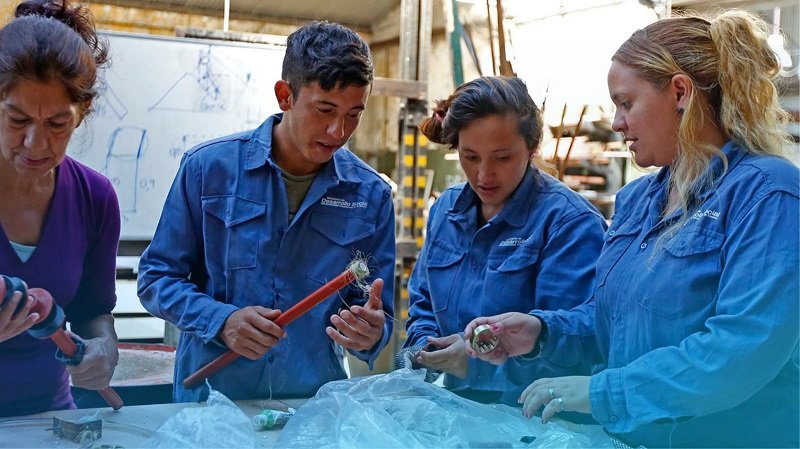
694, 319
510, 239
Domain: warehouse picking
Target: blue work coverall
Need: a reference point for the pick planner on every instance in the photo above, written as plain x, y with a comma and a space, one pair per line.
224, 242
539, 252
697, 333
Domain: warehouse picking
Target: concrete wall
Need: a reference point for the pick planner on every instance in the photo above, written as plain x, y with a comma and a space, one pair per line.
6, 10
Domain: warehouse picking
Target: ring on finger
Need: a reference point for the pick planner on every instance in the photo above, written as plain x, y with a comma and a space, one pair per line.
552, 392
561, 404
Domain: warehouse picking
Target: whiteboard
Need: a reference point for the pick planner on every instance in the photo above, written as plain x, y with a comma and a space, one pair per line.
158, 99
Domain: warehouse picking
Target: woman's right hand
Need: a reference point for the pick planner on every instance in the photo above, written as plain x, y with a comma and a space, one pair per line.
517, 334
13, 324
449, 355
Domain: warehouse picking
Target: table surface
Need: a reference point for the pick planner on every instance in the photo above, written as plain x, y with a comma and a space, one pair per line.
127, 427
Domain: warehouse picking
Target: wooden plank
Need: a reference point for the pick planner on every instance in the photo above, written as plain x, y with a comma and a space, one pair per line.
415, 90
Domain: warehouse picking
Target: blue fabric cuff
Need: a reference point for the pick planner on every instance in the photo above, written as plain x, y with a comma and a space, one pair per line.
608, 402
218, 318
370, 355
549, 346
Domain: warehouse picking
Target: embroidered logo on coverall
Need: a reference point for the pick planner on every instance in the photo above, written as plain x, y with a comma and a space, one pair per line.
513, 241
708, 213
338, 202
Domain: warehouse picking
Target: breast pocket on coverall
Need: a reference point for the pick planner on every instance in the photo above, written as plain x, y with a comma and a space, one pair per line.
443, 266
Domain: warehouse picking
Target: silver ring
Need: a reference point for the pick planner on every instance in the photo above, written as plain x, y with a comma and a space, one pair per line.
552, 392
561, 404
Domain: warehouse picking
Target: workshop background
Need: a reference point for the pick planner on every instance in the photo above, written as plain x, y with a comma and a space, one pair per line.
422, 49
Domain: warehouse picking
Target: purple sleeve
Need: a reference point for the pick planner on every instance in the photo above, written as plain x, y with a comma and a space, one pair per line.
96, 294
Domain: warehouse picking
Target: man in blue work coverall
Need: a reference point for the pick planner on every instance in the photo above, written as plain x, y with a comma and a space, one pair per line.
256, 221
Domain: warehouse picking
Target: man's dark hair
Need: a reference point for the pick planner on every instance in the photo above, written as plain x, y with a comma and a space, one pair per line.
328, 53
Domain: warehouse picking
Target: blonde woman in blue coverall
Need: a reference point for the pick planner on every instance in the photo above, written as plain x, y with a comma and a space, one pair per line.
510, 239
696, 307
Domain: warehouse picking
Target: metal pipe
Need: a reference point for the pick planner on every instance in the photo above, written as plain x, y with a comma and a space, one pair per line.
69, 348
51, 318
491, 37
357, 270
226, 16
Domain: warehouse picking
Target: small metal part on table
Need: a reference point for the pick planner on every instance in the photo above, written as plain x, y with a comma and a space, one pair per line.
268, 418
81, 431
483, 339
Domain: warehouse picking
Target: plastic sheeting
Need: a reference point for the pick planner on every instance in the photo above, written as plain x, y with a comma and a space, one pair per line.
219, 424
401, 410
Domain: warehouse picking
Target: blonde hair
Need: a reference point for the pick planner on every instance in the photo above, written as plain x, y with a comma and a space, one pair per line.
731, 68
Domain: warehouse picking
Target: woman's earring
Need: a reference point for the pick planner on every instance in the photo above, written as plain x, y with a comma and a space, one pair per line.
680, 111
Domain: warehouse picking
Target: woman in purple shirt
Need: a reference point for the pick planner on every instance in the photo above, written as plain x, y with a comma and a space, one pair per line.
59, 220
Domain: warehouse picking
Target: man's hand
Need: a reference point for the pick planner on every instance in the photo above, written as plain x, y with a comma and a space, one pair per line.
517, 333
100, 357
13, 323
250, 331
450, 358
360, 328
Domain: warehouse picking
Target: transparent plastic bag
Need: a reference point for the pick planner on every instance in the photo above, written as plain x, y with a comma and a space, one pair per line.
401, 410
220, 423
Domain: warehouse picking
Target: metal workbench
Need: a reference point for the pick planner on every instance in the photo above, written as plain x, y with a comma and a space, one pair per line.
129, 427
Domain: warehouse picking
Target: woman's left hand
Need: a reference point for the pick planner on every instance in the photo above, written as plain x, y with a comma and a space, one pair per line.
451, 357
99, 360
559, 394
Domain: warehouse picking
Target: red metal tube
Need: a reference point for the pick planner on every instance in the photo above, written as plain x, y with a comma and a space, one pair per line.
294, 312
43, 304
336, 284
111, 397
64, 343
69, 348
209, 369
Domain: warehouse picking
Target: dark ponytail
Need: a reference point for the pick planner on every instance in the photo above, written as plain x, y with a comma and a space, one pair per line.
432, 126
479, 98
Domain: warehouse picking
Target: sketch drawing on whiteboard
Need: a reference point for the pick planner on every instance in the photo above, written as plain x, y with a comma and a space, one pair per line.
108, 103
215, 85
187, 142
125, 148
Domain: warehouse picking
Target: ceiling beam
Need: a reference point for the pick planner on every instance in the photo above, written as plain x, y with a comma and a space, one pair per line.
235, 14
